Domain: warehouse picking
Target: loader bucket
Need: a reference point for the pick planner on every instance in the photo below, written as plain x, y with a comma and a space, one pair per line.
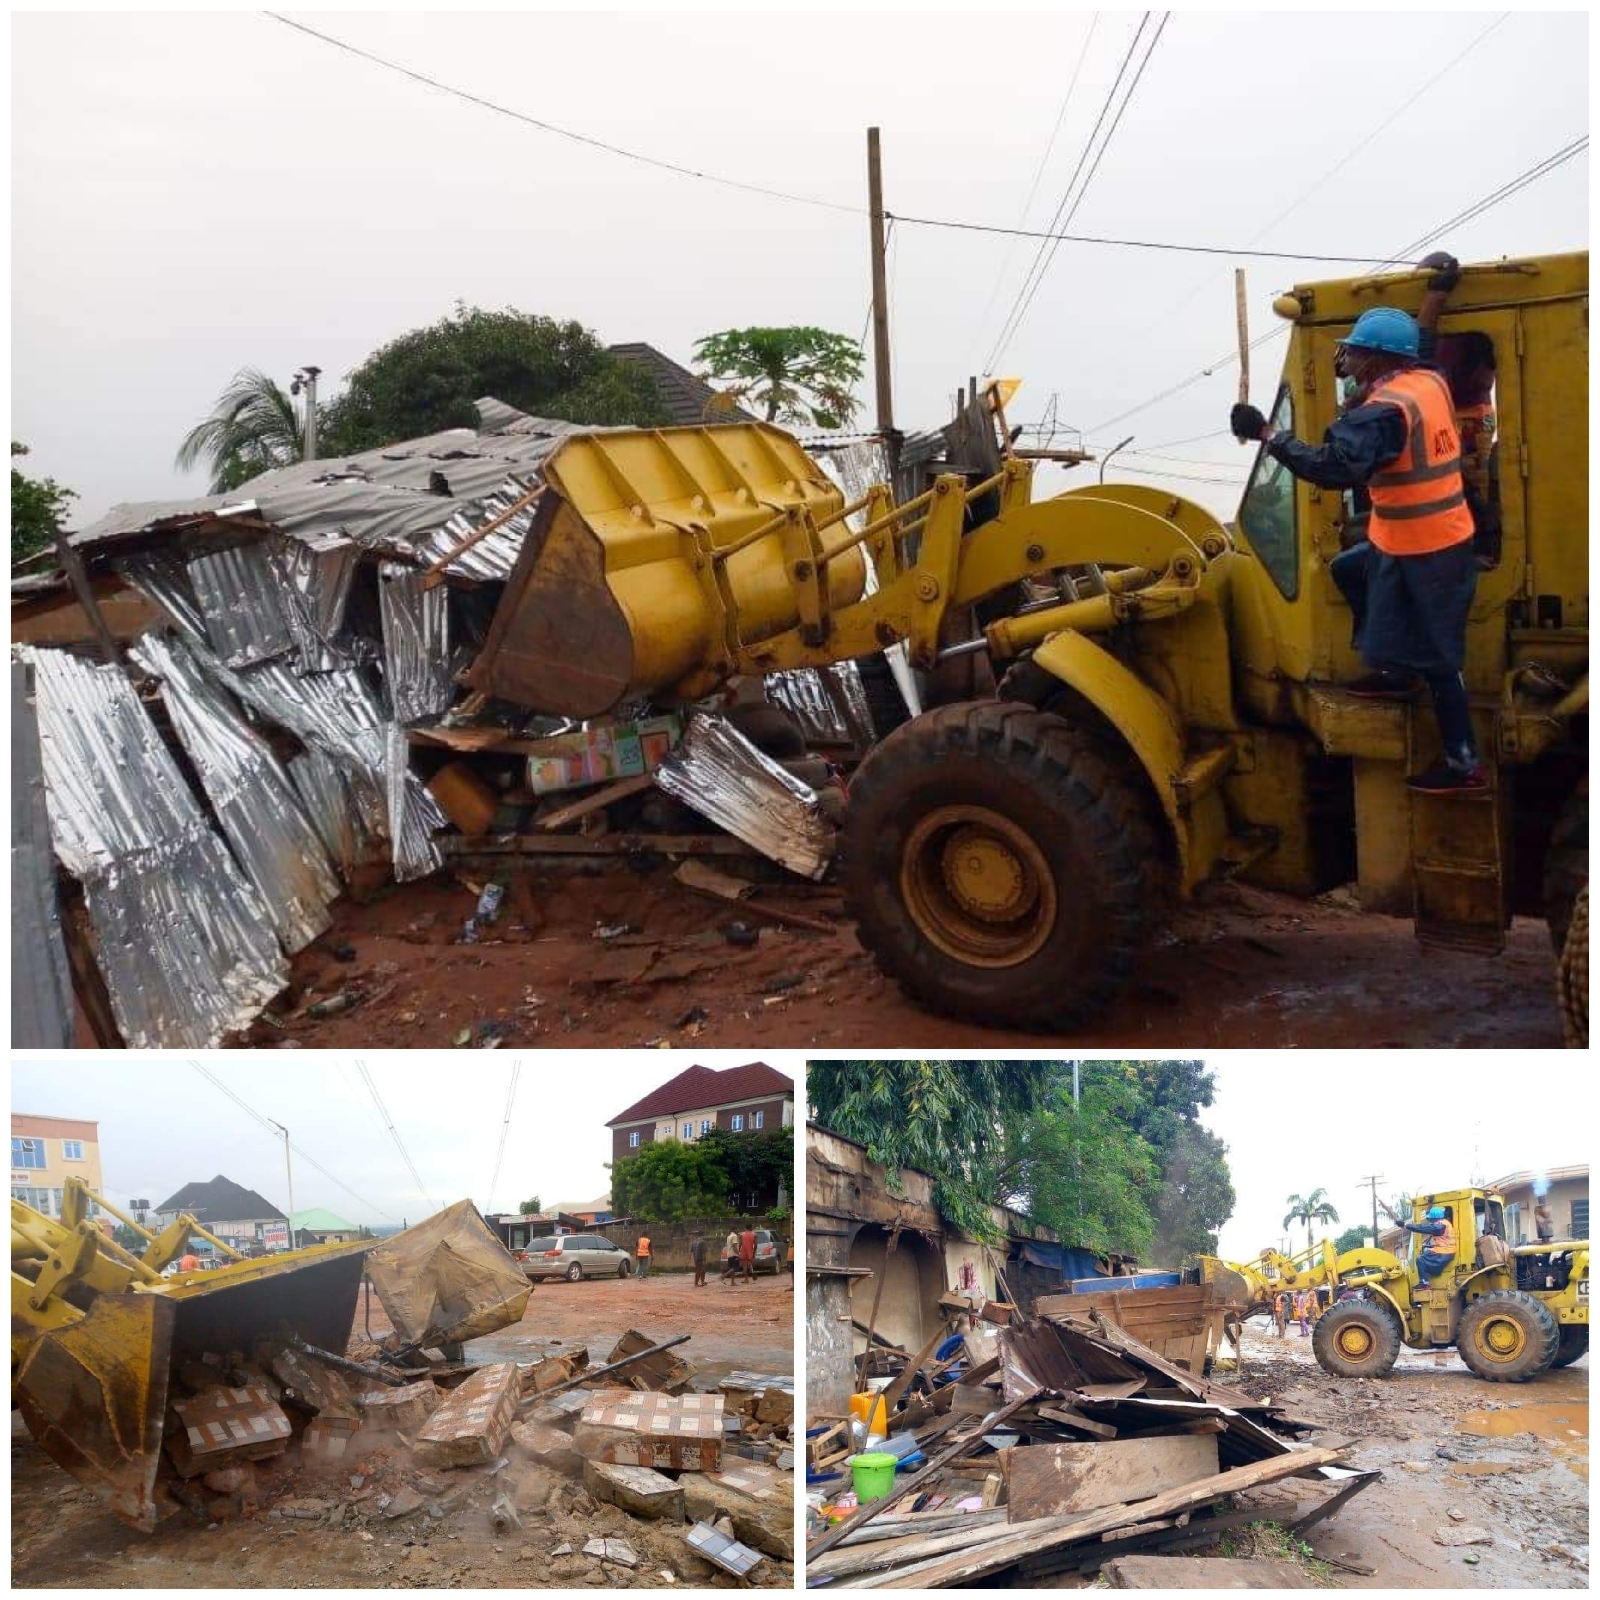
94, 1397
94, 1394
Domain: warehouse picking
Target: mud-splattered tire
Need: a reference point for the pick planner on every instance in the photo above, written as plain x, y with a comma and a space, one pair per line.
1566, 864
1507, 1336
1574, 1345
999, 867
1357, 1339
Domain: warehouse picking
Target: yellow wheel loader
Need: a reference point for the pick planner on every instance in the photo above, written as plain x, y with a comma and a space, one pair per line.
96, 1330
1174, 709
1509, 1312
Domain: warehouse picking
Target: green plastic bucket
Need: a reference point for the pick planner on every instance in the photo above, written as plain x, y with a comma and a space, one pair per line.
873, 1476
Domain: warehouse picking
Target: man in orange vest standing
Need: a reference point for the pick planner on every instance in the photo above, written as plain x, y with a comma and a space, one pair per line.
1410, 588
643, 1253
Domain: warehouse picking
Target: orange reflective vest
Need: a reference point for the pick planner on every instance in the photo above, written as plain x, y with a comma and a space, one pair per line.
1441, 1244
1418, 501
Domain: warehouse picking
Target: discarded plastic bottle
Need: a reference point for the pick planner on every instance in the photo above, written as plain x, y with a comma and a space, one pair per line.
489, 901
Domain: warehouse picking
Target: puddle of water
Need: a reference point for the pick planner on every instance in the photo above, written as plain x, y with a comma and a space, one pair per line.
1482, 1469
1556, 1422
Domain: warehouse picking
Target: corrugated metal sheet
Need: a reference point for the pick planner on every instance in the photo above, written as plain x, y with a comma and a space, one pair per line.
326, 798
251, 795
317, 573
416, 643
241, 595
414, 815
716, 771
183, 939
163, 579
41, 984
828, 702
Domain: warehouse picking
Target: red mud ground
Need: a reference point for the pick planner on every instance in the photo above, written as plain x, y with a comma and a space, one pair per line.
1241, 968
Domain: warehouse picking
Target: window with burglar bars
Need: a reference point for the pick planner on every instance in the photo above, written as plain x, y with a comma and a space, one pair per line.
1580, 1219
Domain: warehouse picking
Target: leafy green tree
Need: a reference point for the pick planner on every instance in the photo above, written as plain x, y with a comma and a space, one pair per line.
130, 1240
1310, 1208
752, 1162
669, 1181
797, 374
945, 1118
530, 1208
253, 427
427, 380
37, 507
1352, 1239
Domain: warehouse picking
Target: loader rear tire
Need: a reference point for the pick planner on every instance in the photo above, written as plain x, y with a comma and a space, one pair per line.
1357, 1339
997, 865
1507, 1336
1574, 1344
1566, 864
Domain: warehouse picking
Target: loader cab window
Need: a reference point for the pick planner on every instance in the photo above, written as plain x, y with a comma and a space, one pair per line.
1267, 513
1492, 1218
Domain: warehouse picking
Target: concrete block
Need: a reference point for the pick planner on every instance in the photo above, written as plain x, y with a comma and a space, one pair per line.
327, 1439
776, 1408
642, 1491
653, 1430
404, 1409
470, 1425
223, 1427
563, 1410
757, 1499
548, 1446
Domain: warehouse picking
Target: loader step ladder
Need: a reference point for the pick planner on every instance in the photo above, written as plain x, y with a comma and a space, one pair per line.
1458, 854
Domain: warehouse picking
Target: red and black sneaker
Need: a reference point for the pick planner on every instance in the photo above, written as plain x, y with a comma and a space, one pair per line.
1385, 686
1443, 778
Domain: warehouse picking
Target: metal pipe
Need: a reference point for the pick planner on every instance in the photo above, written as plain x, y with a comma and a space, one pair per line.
359, 1369
600, 1372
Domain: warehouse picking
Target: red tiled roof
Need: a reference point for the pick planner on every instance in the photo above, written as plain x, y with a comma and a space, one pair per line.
701, 1086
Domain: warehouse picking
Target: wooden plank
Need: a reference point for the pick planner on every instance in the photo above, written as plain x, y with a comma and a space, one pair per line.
1202, 1572
979, 1559
891, 1395
607, 844
435, 573
1048, 1480
620, 790
1073, 1418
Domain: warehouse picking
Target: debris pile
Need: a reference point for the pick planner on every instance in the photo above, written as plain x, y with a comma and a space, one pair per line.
1038, 1446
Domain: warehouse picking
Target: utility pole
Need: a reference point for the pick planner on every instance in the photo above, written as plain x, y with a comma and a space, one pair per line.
880, 306
288, 1168
306, 378
1372, 1183
1074, 1085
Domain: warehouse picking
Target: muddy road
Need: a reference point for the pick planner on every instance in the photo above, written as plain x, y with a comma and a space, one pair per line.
1456, 1453
1240, 968
318, 1528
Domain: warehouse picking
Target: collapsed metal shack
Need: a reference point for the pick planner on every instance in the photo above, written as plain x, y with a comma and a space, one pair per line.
293, 725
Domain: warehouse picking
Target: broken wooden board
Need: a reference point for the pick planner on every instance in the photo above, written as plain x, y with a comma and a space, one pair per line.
1202, 1572
1049, 1480
600, 798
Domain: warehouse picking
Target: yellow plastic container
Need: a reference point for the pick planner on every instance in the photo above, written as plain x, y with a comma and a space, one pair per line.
870, 1409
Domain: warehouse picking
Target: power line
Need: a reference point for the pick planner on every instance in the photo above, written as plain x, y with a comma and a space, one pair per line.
394, 1133
505, 1128
1505, 192
1038, 175
564, 133
1066, 195
273, 1129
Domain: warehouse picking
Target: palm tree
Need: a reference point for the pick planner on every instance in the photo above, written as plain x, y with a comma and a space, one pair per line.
253, 427
1310, 1208
802, 375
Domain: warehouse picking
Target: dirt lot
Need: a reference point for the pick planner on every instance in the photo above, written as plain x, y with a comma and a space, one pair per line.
313, 1531
1241, 968
1512, 1459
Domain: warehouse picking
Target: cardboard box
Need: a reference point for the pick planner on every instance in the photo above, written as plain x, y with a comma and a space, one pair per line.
225, 1426
601, 753
682, 1431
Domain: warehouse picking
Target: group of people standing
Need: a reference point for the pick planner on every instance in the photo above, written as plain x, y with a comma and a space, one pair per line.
1303, 1306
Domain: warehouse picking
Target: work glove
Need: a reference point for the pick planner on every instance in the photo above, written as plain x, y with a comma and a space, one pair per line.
1247, 422
1447, 273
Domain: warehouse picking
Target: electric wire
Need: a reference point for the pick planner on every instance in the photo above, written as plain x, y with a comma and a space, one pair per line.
1038, 265
272, 1128
505, 1128
394, 1133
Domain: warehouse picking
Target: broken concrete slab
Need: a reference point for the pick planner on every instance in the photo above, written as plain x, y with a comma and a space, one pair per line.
563, 1410
328, 1439
553, 1370
310, 1382
548, 1446
1462, 1533
223, 1427
721, 1549
654, 1430
404, 1409
1202, 1572
404, 1504
757, 1500
470, 1426
614, 1550
662, 1372
641, 1491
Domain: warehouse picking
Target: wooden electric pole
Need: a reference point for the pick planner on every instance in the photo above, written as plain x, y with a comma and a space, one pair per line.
880, 306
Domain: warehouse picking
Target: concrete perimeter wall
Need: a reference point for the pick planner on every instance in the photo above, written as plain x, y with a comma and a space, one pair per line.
670, 1241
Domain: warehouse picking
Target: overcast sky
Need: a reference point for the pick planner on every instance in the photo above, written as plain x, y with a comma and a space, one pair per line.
164, 1125
1421, 1123
195, 192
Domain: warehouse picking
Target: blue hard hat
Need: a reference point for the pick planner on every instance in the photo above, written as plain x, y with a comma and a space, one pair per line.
1384, 328
1435, 1213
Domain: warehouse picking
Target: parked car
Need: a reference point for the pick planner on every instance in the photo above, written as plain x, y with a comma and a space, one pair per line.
575, 1256
769, 1251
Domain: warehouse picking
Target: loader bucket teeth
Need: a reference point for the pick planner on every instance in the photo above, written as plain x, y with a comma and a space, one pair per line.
94, 1397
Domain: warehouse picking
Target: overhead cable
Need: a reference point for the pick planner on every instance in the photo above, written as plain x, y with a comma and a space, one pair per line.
394, 1133
505, 1128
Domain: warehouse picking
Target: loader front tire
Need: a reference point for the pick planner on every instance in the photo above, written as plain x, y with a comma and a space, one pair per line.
998, 866
1357, 1339
1574, 1344
1566, 864
1507, 1336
